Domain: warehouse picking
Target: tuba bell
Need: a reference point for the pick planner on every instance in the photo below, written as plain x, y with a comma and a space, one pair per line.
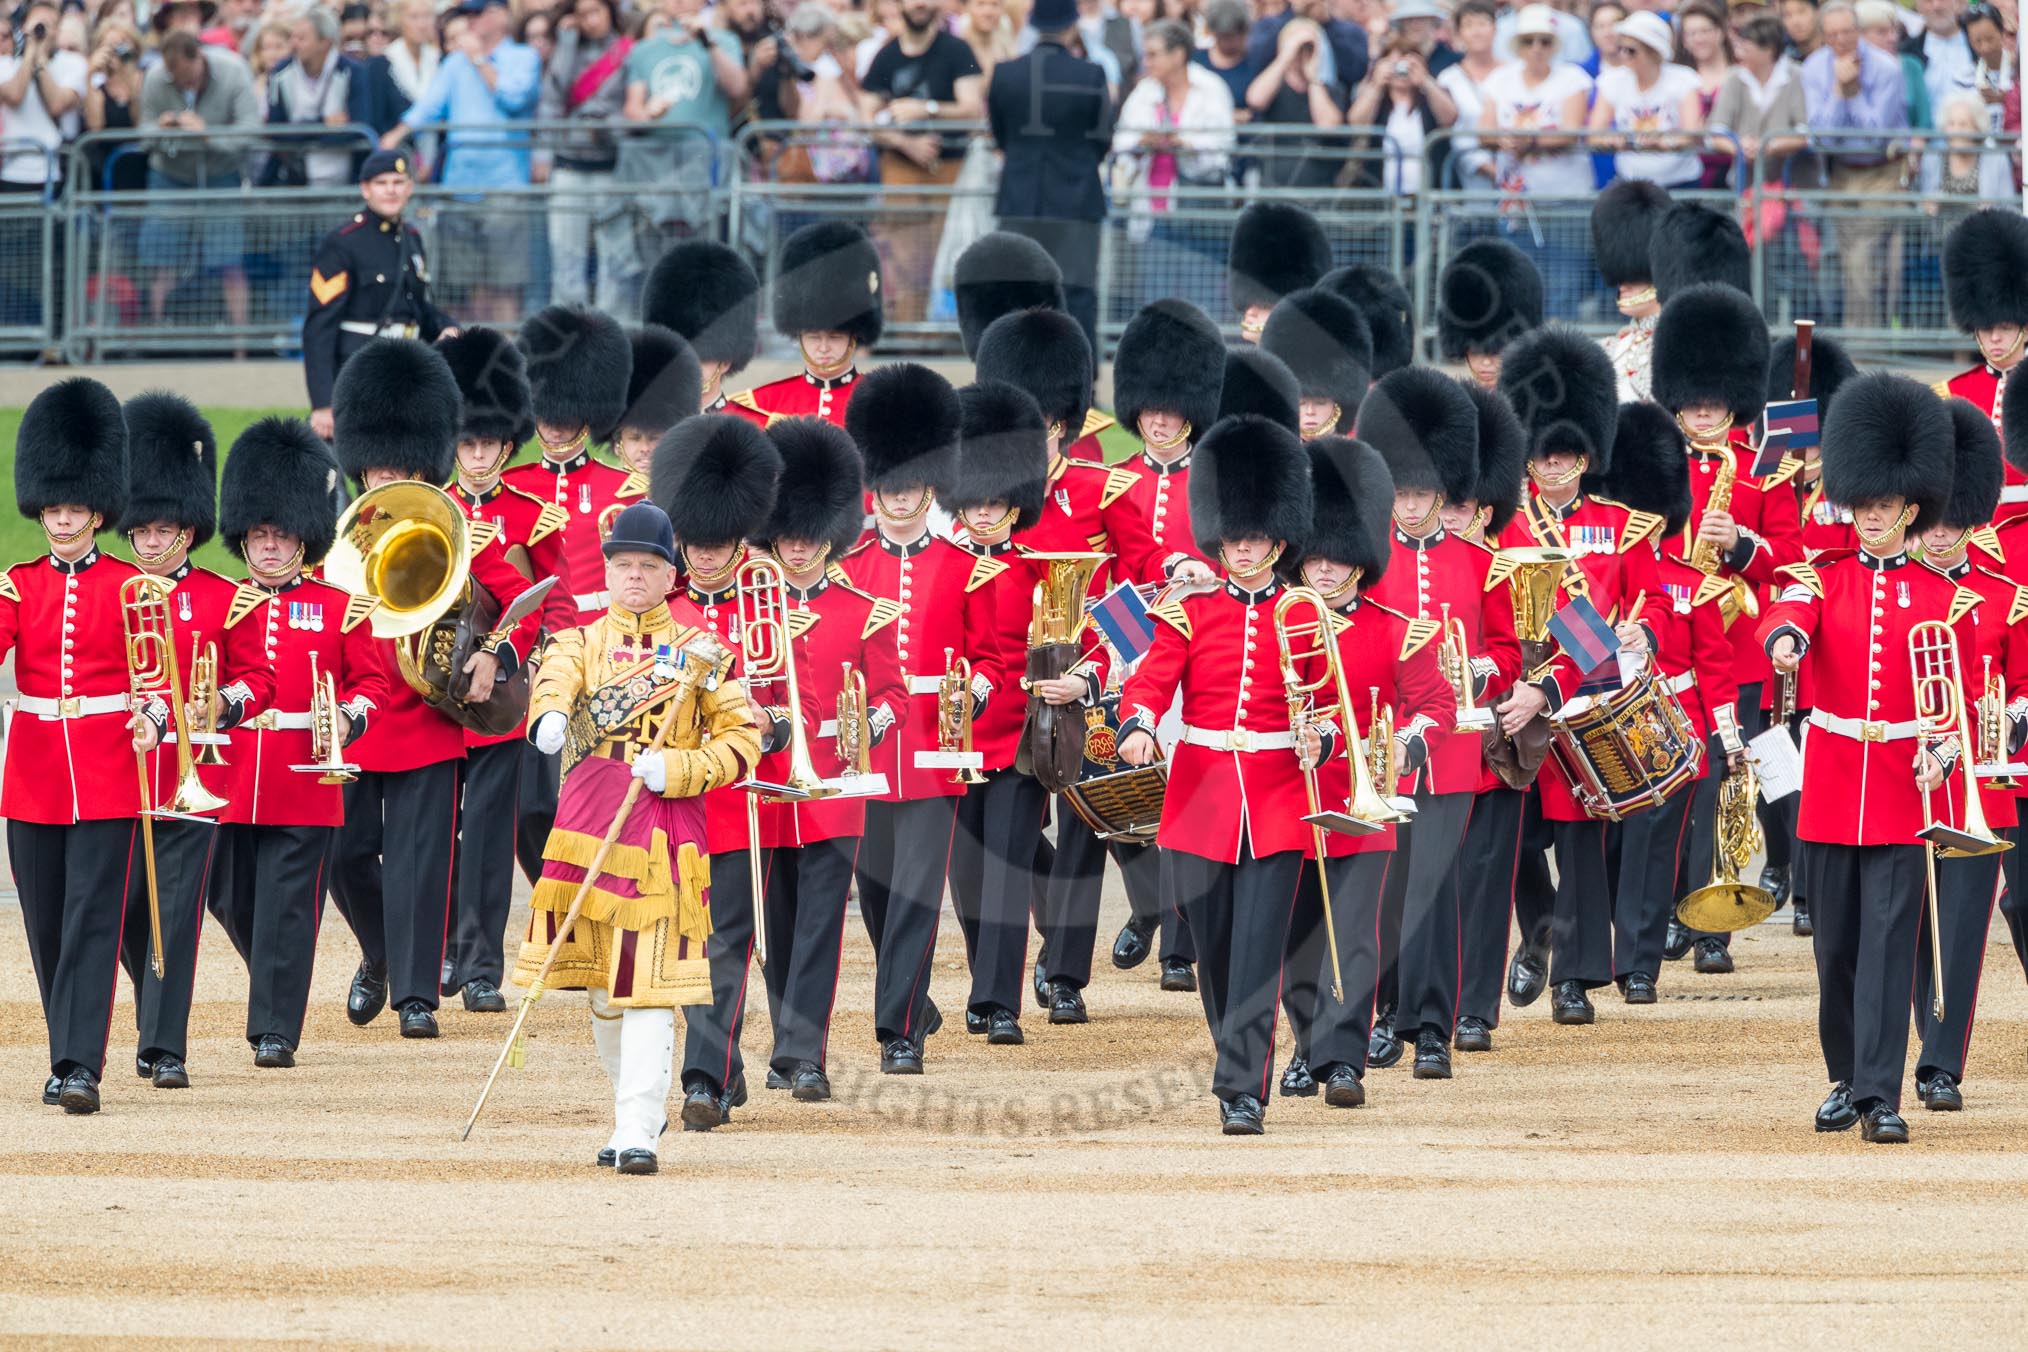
1534, 578
1725, 904
1052, 740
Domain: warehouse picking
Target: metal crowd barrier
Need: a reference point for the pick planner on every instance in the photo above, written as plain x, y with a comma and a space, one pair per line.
29, 263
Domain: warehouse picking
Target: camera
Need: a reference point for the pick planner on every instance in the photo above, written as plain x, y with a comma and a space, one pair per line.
40, 32
1400, 70
792, 65
125, 52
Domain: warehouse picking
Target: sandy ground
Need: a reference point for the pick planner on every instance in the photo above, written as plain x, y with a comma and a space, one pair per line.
1650, 1181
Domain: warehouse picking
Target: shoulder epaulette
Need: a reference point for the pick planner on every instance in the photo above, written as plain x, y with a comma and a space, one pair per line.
984, 569
1501, 568
1339, 622
835, 571
1710, 587
1789, 467
802, 621
1095, 422
246, 598
2019, 610
746, 400
357, 608
1963, 602
1119, 480
484, 533
1417, 636
1640, 525
1806, 574
1988, 540
1942, 389
884, 613
1604, 501
7, 587
548, 522
1172, 614
635, 486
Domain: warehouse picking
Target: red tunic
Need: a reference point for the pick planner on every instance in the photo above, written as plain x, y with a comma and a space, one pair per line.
1004, 581
1855, 613
1089, 508
1692, 651
1983, 386
798, 396
718, 611
1764, 509
946, 607
302, 621
1989, 635
1424, 579
197, 611
536, 528
584, 488
1385, 652
1164, 497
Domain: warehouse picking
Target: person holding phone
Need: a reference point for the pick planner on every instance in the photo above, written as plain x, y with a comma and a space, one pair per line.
42, 90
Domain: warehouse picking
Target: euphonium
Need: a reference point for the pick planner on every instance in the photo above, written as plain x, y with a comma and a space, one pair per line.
1725, 904
327, 744
203, 695
1738, 598
854, 736
954, 714
1052, 740
1454, 657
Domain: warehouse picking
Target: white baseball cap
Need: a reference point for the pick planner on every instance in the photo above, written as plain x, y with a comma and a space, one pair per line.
1649, 29
1531, 21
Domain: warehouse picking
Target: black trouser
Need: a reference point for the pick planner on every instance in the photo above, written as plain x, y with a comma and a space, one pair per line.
1075, 247
182, 875
273, 888
1419, 935
218, 900
482, 873
1488, 865
1581, 929
535, 811
1644, 895
1534, 890
807, 890
73, 883
1695, 868
1866, 901
1076, 888
1239, 915
1331, 1032
391, 873
1965, 914
904, 859
995, 855
2013, 905
1147, 899
711, 1033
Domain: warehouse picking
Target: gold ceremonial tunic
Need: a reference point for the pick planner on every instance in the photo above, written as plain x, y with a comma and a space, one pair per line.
640, 935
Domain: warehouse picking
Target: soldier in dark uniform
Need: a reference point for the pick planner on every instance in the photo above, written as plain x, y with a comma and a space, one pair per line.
370, 279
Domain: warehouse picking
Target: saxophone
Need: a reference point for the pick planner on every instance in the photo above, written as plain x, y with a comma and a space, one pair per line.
1737, 599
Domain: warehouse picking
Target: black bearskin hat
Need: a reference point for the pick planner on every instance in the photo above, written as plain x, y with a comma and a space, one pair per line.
664, 382
827, 280
1250, 477
1623, 221
396, 406
280, 474
579, 362
1651, 471
1889, 436
1489, 294
998, 274
1258, 382
172, 466
1390, 316
1503, 456
904, 418
1171, 359
715, 475
1045, 353
1562, 388
1711, 346
1830, 368
1324, 340
1276, 248
492, 377
72, 448
2013, 422
1692, 244
1985, 267
1426, 429
1003, 450
822, 492
709, 295
1354, 512
1977, 474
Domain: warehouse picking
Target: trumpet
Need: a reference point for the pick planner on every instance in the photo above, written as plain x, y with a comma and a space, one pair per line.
1454, 657
853, 736
1992, 750
954, 718
1726, 904
203, 699
327, 744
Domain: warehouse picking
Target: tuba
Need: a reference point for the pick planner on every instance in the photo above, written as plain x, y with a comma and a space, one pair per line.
1052, 740
327, 746
1726, 904
1533, 582
408, 545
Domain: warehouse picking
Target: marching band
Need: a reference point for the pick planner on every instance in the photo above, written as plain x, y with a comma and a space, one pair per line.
1396, 697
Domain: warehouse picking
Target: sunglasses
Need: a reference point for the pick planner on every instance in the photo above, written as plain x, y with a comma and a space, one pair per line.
1534, 40
1629, 51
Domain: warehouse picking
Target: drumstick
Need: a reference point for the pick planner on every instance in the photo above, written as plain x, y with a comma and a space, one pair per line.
1640, 603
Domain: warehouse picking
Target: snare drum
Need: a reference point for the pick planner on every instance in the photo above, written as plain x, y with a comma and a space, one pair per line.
1117, 801
1626, 751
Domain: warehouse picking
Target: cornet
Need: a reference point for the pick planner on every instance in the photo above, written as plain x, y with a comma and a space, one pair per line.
854, 737
1455, 658
327, 743
1991, 764
208, 740
954, 724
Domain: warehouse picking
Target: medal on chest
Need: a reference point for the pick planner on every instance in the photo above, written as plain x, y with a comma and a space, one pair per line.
306, 616
584, 499
183, 606
1680, 594
1063, 500
1901, 595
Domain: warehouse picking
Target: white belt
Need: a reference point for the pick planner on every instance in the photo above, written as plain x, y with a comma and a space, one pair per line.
1676, 685
273, 720
828, 728
77, 706
593, 600
379, 330
1239, 739
925, 685
1859, 730
2014, 493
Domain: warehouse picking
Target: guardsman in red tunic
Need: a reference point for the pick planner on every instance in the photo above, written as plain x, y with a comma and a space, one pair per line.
275, 513
1389, 662
1888, 456
1003, 458
1426, 429
715, 476
1167, 372
1276, 248
70, 795
1985, 267
1561, 386
1710, 372
1682, 633
664, 386
172, 508
579, 362
1323, 340
498, 416
827, 295
906, 423
707, 295
1380, 298
1001, 273
1488, 296
835, 629
1232, 830
398, 410
1992, 646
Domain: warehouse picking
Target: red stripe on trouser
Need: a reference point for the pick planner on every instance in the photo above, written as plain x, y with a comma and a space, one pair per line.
1457, 900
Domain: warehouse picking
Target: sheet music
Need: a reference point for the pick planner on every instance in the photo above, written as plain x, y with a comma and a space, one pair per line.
1778, 763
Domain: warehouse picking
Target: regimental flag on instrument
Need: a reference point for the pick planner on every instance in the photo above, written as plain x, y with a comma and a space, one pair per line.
1582, 632
1122, 616
1787, 428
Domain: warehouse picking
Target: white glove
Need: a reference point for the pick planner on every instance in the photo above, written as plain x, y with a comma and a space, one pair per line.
652, 771
548, 733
